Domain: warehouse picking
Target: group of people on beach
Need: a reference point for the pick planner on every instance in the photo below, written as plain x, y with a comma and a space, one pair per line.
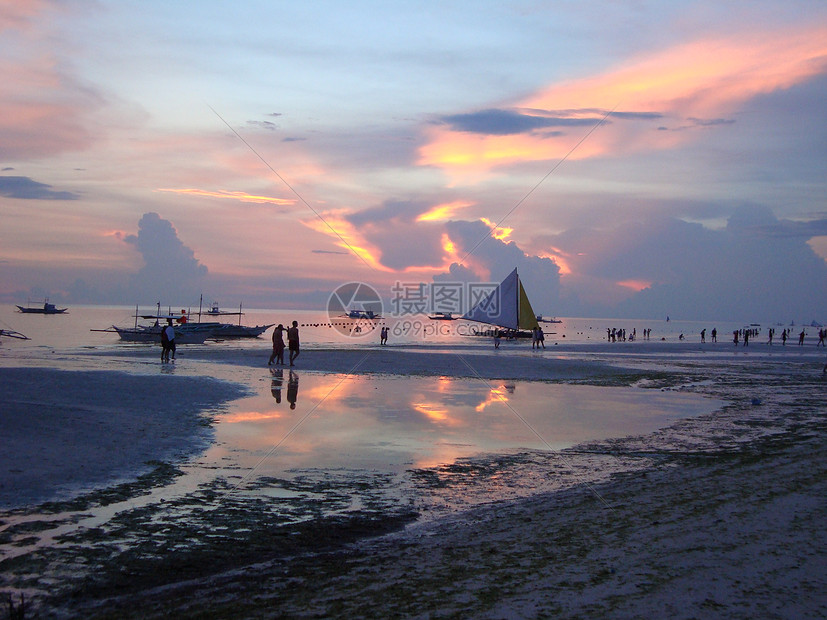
538, 338
277, 356
744, 335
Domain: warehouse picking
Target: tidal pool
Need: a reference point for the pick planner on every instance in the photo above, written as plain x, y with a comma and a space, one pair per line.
314, 427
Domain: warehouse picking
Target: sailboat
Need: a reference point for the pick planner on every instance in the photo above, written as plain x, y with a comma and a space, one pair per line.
506, 307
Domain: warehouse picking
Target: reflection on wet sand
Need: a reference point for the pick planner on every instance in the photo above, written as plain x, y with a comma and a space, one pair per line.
292, 388
277, 382
393, 423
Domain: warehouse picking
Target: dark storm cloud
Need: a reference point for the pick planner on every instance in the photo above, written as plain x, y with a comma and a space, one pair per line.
508, 122
27, 189
695, 123
710, 122
503, 122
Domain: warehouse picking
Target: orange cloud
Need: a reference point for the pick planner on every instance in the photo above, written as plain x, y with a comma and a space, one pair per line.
559, 258
443, 212
691, 85
241, 196
635, 285
498, 232
347, 237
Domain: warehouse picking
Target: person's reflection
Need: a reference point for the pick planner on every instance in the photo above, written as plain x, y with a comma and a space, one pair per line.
277, 382
292, 389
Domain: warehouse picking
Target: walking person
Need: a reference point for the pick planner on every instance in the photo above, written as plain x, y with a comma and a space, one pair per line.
278, 346
293, 341
164, 344
168, 334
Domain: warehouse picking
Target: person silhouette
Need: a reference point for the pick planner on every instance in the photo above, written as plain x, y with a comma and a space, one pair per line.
293, 341
278, 346
168, 342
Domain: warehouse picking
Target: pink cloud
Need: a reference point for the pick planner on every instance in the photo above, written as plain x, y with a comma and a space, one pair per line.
691, 85
42, 106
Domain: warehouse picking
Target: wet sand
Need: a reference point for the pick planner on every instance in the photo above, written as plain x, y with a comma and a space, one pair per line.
725, 518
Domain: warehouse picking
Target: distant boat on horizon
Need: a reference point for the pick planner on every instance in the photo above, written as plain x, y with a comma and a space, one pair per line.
540, 319
442, 316
46, 308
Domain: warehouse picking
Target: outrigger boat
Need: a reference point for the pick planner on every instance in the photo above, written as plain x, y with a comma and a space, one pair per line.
229, 330
355, 313
10, 333
442, 316
46, 308
540, 319
185, 333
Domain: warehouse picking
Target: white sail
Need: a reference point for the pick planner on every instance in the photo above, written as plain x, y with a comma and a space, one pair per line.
506, 306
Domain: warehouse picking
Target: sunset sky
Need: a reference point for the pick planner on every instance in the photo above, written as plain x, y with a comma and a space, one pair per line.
629, 158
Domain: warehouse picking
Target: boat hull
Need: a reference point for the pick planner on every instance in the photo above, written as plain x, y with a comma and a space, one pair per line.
226, 330
153, 335
45, 310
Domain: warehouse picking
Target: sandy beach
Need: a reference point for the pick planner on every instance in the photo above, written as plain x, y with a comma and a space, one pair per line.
720, 515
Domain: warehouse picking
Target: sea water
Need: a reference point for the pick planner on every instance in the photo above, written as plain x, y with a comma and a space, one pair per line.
81, 325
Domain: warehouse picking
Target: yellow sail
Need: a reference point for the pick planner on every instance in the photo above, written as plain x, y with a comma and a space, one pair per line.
527, 318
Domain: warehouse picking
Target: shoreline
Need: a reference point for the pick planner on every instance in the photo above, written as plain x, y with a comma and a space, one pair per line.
365, 575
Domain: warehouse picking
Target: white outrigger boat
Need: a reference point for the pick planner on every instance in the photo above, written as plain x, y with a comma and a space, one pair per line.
185, 333
230, 330
186, 330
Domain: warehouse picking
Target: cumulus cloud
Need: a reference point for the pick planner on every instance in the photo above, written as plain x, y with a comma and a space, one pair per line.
686, 270
493, 259
28, 189
171, 273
